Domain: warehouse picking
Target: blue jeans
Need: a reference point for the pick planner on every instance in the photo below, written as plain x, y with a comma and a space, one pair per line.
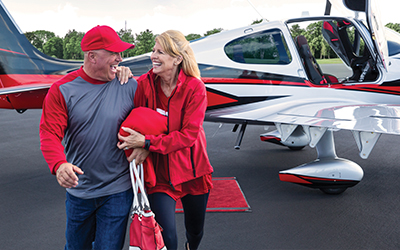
98, 223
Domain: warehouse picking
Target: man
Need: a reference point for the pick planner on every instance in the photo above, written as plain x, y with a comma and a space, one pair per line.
85, 109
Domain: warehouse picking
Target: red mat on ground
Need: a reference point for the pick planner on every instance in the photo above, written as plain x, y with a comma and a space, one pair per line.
226, 196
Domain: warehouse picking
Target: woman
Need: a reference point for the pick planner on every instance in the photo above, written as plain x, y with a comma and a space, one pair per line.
173, 88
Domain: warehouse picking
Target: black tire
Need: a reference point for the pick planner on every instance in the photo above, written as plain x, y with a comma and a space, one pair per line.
296, 148
333, 190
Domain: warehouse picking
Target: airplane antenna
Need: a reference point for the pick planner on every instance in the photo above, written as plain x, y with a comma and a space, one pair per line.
328, 7
257, 10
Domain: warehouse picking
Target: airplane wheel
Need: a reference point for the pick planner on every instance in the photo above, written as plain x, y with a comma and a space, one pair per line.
333, 190
296, 148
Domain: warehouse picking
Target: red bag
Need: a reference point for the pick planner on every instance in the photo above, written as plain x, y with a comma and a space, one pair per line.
147, 122
144, 231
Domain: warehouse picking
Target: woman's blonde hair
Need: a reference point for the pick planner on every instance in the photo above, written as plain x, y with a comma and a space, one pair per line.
175, 44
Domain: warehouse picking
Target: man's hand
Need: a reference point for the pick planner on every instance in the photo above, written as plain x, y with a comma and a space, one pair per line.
66, 176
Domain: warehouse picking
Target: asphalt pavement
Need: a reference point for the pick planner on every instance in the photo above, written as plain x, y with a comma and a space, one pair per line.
283, 216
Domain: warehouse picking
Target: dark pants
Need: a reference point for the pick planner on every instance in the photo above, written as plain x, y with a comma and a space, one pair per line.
98, 223
194, 207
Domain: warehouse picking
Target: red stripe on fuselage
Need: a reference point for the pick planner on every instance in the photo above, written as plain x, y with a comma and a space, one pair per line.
371, 88
392, 90
14, 52
211, 80
215, 99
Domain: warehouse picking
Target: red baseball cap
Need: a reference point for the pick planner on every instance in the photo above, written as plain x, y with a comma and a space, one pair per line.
104, 37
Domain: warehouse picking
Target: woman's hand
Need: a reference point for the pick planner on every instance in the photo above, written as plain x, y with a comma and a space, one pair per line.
134, 140
123, 74
139, 155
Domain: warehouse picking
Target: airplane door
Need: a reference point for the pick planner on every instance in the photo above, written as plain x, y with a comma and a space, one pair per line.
377, 31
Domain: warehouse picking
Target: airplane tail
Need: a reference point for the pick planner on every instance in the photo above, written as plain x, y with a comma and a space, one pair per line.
25, 72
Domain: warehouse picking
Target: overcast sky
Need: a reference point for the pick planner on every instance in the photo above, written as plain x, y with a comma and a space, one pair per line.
188, 16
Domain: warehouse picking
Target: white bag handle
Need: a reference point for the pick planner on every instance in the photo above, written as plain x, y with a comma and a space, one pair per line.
137, 183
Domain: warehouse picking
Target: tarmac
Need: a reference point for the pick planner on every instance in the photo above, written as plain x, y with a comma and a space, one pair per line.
283, 215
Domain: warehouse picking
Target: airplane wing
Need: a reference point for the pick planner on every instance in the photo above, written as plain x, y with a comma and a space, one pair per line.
366, 121
378, 118
368, 118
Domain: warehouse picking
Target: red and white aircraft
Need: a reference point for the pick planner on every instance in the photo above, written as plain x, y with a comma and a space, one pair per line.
262, 74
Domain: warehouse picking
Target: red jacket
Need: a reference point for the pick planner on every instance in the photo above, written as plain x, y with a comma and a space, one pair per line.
185, 141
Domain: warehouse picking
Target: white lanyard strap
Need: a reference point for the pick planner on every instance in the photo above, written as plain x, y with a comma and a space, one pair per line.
137, 184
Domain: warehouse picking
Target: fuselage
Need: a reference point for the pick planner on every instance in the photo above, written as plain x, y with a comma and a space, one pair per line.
273, 77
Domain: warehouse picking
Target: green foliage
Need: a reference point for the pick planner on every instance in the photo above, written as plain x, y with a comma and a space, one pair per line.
213, 31
296, 31
256, 21
72, 45
127, 36
39, 37
192, 36
351, 34
144, 42
314, 38
393, 26
54, 47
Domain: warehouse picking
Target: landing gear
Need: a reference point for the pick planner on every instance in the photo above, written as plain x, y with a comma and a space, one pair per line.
330, 174
296, 141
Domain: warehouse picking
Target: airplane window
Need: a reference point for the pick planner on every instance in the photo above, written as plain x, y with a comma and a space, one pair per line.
142, 64
359, 46
394, 47
267, 47
393, 39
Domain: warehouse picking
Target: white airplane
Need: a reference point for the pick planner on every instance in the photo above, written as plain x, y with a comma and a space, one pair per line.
261, 74
266, 76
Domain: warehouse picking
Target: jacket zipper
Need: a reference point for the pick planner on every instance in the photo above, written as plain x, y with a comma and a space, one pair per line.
169, 173
192, 161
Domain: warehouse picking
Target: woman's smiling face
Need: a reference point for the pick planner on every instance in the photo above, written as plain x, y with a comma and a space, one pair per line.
163, 63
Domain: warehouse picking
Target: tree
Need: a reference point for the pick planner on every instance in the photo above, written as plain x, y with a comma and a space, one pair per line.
213, 31
314, 38
127, 36
296, 31
393, 26
325, 50
257, 21
144, 42
39, 37
54, 47
72, 45
192, 36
